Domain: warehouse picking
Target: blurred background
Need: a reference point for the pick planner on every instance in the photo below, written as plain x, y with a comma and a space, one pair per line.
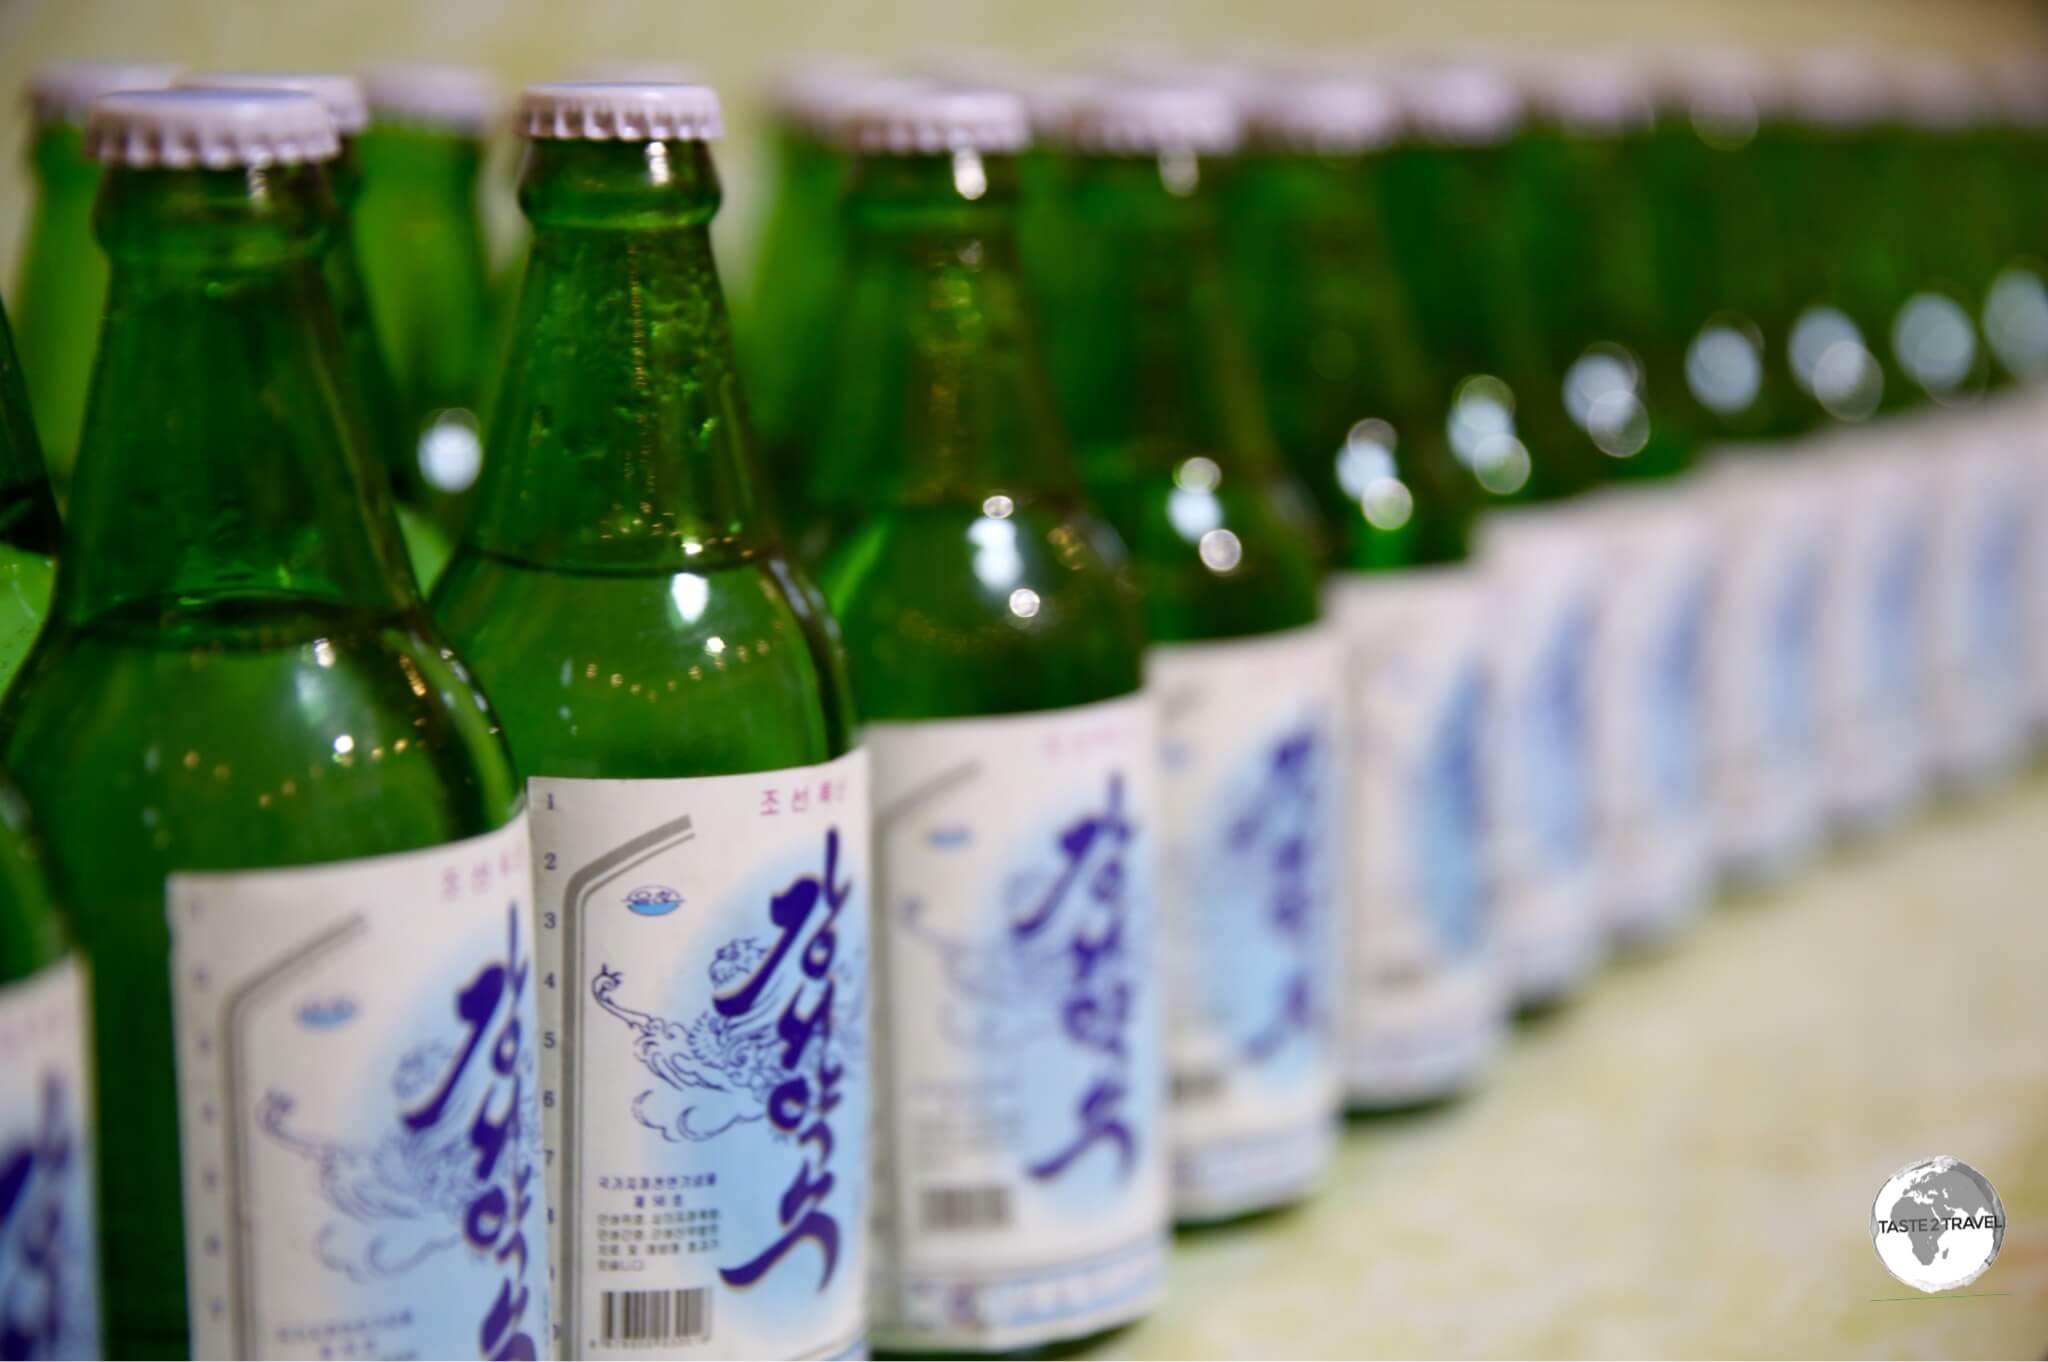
736, 47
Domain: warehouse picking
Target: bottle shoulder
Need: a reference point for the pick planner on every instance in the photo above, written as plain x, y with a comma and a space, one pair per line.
1212, 560
950, 611
252, 738
651, 674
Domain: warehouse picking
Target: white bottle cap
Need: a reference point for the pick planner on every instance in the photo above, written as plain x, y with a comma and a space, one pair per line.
927, 120
1148, 120
1939, 91
1596, 94
343, 95
63, 92
210, 129
464, 100
1728, 87
1328, 114
1463, 103
1838, 87
2019, 82
616, 111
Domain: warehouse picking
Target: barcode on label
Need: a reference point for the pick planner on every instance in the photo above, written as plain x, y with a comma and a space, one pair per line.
966, 1208
655, 1317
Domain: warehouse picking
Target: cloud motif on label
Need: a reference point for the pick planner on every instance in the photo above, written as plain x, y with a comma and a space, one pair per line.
653, 900
718, 1072
403, 1198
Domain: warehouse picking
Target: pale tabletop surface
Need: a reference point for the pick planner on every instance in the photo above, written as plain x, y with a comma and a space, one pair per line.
1682, 1162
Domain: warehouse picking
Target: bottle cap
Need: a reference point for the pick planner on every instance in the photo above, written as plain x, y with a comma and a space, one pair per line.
1716, 86
1146, 120
1939, 91
460, 99
1838, 87
1329, 114
1597, 94
210, 129
63, 92
2019, 82
608, 111
342, 95
1463, 103
929, 121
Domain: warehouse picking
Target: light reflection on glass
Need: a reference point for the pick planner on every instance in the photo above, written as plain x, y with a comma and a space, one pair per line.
691, 594
1934, 341
1220, 550
997, 563
1724, 368
2016, 321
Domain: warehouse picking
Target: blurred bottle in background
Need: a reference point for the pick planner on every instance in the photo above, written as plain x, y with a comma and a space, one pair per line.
425, 266
1158, 390
30, 533
373, 391
48, 1252
682, 719
997, 656
1580, 175
787, 335
1360, 418
292, 777
62, 290
1459, 245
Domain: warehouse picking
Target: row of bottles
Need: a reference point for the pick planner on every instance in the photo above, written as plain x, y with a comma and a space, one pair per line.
1240, 619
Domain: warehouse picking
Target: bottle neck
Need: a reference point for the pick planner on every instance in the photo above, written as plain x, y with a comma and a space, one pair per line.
1150, 357
943, 395
423, 162
221, 459
621, 440
62, 168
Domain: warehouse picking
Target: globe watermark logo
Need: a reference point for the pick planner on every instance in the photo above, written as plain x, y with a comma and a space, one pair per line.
1937, 1224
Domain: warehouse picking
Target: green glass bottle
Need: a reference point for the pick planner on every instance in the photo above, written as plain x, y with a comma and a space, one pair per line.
62, 289
1984, 503
1719, 243
1361, 419
789, 337
1158, 390
1458, 243
29, 530
303, 871
426, 544
47, 1224
2009, 160
1820, 154
1579, 172
680, 712
421, 240
996, 651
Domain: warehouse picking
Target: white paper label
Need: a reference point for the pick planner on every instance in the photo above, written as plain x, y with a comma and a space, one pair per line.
359, 1103
1980, 611
1874, 642
1425, 1002
704, 1022
1251, 786
1022, 1196
1655, 819
1763, 672
1540, 755
49, 1285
